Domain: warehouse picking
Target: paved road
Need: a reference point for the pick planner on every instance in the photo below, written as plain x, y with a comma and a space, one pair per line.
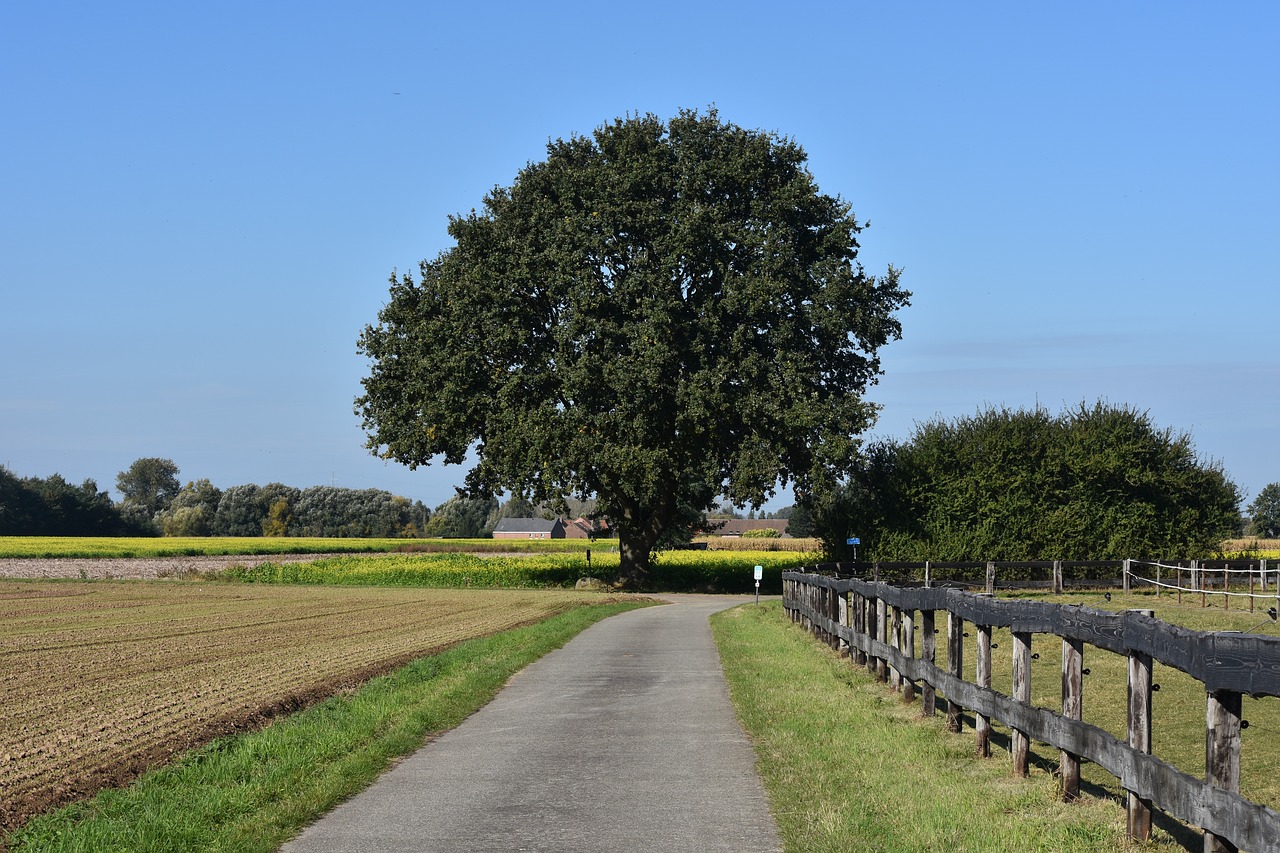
624, 740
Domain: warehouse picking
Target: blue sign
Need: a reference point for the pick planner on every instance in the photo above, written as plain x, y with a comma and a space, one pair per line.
853, 540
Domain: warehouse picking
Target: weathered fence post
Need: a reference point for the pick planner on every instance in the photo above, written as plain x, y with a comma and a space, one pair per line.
1057, 576
842, 616
1126, 575
909, 649
955, 666
895, 640
882, 634
1222, 754
1020, 744
833, 613
1072, 709
991, 578
928, 647
1140, 732
859, 624
873, 629
982, 723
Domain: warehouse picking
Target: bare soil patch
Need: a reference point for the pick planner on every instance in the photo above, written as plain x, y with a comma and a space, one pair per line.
103, 680
138, 568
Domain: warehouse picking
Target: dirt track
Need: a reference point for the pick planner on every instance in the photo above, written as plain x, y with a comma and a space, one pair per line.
145, 568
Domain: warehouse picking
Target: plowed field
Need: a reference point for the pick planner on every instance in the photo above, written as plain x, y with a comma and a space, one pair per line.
99, 681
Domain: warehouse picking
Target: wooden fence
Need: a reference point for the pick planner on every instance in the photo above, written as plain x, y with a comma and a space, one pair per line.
876, 622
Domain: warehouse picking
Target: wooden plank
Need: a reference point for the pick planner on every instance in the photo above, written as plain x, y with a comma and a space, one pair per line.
982, 722
1072, 709
1222, 754
882, 634
1020, 744
955, 666
908, 650
1247, 663
928, 646
1248, 825
1139, 809
895, 632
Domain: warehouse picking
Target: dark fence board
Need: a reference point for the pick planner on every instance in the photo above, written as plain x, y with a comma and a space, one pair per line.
1221, 812
1246, 663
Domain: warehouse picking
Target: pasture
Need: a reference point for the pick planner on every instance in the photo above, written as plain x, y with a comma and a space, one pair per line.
102, 680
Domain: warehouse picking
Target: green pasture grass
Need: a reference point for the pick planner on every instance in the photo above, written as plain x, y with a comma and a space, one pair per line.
196, 546
1178, 711
252, 792
674, 571
848, 766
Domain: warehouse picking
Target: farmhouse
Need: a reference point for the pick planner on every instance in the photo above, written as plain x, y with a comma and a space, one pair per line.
529, 528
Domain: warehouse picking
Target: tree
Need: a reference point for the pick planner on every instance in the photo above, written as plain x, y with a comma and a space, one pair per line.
1264, 512
654, 316
278, 519
150, 484
193, 511
462, 517
1094, 482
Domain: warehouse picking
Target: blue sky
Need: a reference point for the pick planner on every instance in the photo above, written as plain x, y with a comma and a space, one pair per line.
200, 204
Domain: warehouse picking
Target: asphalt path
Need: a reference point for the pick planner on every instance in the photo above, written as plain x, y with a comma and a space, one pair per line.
623, 740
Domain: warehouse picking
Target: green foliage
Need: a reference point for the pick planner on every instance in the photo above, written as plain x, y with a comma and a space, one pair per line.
1095, 482
194, 510
278, 518
654, 316
462, 517
150, 484
762, 533
1264, 513
50, 506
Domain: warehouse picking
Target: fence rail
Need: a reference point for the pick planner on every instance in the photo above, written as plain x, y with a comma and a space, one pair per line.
1247, 580
875, 622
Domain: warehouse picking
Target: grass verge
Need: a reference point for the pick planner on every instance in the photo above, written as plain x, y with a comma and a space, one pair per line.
847, 766
254, 791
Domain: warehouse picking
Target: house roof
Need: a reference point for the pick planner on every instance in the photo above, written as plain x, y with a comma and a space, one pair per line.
525, 525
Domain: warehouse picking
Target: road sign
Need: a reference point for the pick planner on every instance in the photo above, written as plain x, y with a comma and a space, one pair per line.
759, 572
853, 540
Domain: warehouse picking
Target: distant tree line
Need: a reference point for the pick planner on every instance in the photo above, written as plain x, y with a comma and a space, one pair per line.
51, 506
1094, 482
155, 503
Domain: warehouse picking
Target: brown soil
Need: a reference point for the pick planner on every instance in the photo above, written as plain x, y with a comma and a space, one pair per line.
103, 681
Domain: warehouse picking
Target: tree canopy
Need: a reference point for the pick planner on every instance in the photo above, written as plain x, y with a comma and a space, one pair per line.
1264, 513
149, 485
655, 316
1094, 482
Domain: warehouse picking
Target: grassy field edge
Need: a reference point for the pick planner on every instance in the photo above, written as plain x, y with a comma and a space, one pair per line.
254, 791
847, 765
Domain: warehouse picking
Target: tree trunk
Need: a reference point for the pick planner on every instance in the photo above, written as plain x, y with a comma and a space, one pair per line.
635, 555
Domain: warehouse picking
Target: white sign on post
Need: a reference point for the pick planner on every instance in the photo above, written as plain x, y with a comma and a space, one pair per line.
759, 574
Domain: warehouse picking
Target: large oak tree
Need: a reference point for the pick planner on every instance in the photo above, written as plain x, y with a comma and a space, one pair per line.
657, 315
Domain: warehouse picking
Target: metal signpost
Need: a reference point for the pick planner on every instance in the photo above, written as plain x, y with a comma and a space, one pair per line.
855, 542
759, 574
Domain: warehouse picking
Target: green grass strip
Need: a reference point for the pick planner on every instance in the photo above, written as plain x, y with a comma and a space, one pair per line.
848, 766
253, 792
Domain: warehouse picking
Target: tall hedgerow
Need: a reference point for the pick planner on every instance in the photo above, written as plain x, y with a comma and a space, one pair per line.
1093, 482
